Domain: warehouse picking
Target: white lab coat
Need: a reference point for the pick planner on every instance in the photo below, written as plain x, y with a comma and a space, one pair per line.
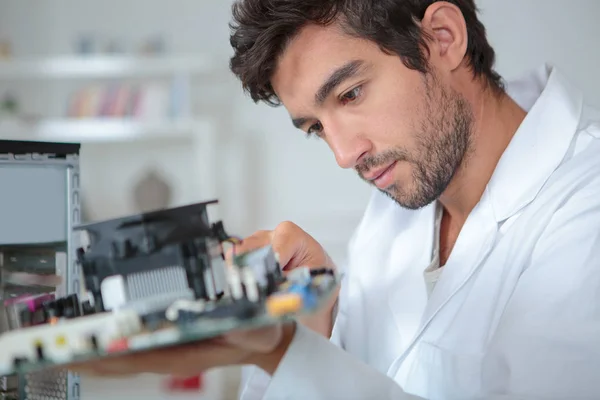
516, 312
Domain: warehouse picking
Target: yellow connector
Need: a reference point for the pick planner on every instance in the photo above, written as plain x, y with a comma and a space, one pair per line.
282, 304
61, 341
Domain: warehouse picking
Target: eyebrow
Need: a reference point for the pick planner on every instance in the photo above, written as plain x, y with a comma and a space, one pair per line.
338, 77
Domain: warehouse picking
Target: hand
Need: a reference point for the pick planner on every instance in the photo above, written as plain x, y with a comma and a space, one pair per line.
296, 248
262, 347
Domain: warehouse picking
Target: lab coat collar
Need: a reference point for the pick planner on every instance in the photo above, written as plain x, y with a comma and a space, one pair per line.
554, 109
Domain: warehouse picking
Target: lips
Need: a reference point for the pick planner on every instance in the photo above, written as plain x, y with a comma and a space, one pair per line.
373, 175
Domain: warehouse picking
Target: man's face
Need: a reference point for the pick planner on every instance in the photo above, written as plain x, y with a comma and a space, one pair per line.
403, 132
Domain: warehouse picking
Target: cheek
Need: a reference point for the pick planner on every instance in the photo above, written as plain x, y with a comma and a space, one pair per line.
396, 118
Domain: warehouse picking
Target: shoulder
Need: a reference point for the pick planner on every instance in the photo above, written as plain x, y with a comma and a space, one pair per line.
577, 177
561, 276
585, 146
571, 199
573, 190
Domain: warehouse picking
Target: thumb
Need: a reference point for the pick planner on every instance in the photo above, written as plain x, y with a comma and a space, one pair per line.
253, 242
289, 244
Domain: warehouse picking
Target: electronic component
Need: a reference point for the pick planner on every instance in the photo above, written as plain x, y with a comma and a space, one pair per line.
38, 251
8, 383
153, 280
27, 310
9, 386
163, 255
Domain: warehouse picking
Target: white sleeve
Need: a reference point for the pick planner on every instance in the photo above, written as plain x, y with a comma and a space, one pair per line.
254, 383
317, 368
314, 368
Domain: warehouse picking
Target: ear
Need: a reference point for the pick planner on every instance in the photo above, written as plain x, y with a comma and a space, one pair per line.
448, 30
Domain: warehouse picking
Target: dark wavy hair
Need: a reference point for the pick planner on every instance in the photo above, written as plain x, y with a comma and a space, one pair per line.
261, 29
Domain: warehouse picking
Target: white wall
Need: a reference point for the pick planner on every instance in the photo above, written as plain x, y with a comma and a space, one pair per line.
285, 177
293, 178
527, 33
44, 28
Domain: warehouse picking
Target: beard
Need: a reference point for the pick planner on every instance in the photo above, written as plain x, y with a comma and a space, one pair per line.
443, 141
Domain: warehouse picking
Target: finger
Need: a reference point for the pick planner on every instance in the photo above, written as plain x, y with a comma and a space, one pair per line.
260, 340
253, 242
296, 248
178, 361
289, 243
99, 369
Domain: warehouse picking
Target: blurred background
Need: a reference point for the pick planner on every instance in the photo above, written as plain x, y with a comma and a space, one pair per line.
145, 87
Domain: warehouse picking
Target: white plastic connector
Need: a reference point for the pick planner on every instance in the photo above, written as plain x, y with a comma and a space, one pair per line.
172, 312
235, 283
60, 342
299, 274
249, 281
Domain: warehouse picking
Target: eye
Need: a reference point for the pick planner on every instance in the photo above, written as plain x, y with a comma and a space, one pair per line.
351, 95
314, 129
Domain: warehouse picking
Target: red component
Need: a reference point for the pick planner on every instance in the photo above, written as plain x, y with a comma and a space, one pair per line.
192, 384
117, 346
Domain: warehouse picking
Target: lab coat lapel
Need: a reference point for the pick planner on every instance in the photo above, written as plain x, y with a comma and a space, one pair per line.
385, 288
473, 244
409, 257
472, 247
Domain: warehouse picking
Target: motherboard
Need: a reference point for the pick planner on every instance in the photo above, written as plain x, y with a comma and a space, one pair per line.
155, 280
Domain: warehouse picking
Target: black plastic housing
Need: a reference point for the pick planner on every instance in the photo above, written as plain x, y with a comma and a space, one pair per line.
181, 236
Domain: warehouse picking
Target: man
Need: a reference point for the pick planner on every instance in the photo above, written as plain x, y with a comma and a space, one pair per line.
474, 272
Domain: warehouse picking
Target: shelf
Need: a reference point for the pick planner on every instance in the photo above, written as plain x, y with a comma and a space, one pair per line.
99, 130
104, 66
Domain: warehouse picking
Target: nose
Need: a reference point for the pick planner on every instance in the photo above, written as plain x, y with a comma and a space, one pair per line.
348, 145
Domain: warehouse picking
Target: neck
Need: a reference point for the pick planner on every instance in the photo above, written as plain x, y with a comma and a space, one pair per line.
496, 119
